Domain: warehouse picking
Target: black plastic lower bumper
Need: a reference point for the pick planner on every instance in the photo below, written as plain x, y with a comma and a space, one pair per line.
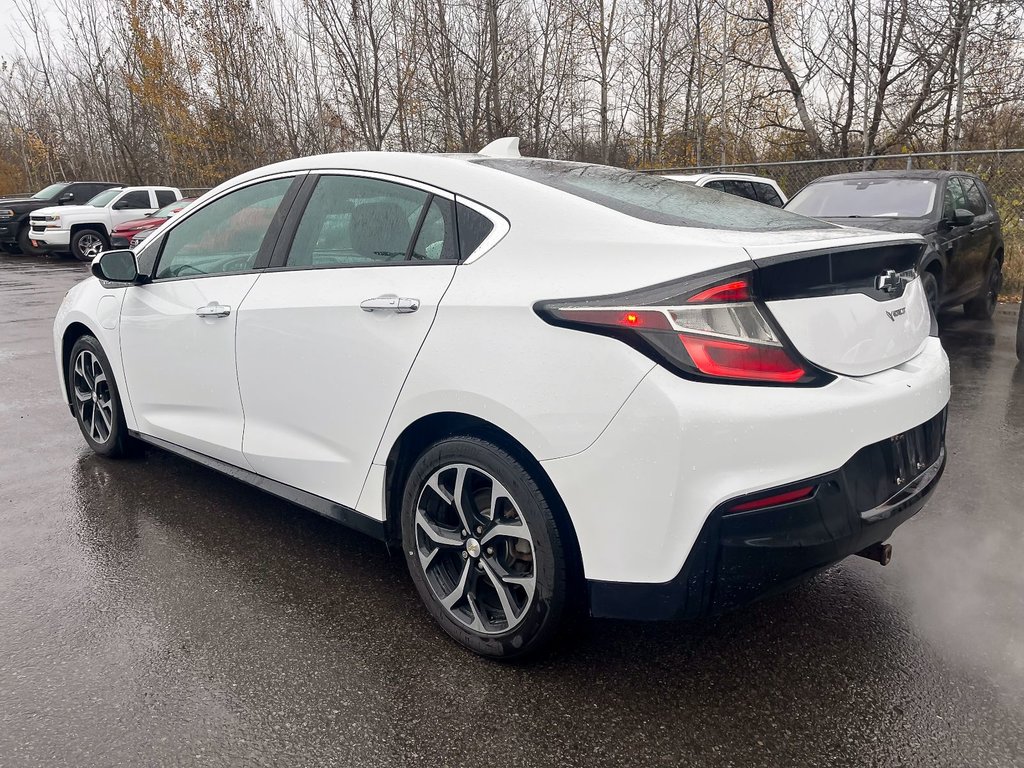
741, 556
117, 241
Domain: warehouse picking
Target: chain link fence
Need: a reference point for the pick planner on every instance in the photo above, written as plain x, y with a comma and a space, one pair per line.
1001, 170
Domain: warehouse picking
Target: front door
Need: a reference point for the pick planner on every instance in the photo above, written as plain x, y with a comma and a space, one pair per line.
326, 339
178, 331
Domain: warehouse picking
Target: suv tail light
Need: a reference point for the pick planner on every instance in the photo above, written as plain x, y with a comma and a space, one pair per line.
714, 329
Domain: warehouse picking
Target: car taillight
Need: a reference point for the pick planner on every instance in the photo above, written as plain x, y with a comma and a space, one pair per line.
714, 329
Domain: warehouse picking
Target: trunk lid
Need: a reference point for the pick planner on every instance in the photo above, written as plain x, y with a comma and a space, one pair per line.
853, 306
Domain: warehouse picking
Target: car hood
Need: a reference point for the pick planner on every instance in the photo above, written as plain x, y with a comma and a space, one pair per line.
138, 224
902, 226
18, 201
67, 210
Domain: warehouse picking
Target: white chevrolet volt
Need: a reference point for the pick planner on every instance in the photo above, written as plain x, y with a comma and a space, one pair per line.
556, 385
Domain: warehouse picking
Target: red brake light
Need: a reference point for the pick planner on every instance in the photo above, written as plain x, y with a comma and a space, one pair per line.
735, 290
740, 360
774, 501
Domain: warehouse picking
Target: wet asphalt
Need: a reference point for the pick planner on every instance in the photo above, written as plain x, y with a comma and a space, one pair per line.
154, 613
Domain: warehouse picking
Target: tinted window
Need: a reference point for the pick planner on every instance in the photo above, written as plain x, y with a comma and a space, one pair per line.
766, 194
223, 236
164, 197
953, 199
868, 198
137, 200
473, 229
436, 238
354, 220
975, 199
716, 185
652, 198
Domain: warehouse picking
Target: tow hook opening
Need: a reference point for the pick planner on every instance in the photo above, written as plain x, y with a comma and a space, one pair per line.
880, 553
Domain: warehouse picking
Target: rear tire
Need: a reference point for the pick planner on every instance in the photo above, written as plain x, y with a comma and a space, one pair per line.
87, 244
982, 306
95, 400
484, 549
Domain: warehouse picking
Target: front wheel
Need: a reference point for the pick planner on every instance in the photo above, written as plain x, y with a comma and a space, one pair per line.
95, 400
982, 306
930, 283
484, 549
87, 244
25, 243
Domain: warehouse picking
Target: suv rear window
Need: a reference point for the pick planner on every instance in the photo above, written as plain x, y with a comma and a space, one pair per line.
653, 198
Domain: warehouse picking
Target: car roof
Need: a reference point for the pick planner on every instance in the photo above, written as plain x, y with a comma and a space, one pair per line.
933, 175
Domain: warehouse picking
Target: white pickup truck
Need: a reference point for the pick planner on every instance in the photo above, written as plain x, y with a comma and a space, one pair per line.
84, 230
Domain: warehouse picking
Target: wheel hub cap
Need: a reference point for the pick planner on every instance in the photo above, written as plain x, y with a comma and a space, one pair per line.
92, 397
485, 581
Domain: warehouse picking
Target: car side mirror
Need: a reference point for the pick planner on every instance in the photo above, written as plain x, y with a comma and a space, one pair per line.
122, 205
67, 197
116, 267
961, 217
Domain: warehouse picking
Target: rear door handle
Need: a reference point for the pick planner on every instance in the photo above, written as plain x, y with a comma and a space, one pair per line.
390, 303
213, 309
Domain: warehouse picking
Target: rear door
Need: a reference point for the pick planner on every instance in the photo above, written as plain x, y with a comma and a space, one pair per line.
327, 336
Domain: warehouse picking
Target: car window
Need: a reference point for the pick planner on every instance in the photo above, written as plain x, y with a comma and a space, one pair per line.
103, 198
740, 189
653, 198
135, 200
766, 194
868, 197
47, 192
223, 236
976, 203
436, 238
352, 220
717, 185
954, 198
473, 229
164, 197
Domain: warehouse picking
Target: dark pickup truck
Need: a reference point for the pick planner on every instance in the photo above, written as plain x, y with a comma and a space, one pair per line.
14, 211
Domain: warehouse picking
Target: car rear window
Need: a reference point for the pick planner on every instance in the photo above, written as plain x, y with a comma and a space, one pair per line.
654, 198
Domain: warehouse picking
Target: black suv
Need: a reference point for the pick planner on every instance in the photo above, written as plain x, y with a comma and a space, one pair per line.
963, 260
14, 211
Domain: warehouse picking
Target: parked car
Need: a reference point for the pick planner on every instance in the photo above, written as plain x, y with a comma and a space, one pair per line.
549, 383
84, 230
14, 211
759, 188
953, 210
134, 231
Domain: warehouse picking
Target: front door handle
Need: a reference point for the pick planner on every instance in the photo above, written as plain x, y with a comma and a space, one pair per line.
390, 303
213, 309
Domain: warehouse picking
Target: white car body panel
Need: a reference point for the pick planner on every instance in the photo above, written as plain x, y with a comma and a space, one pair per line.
640, 456
678, 446
180, 368
315, 407
702, 179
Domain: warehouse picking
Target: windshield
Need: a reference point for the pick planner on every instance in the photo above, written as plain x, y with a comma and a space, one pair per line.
866, 198
48, 192
104, 197
654, 198
167, 210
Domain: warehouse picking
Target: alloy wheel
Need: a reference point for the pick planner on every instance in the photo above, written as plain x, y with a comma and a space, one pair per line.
90, 246
475, 549
995, 280
93, 400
